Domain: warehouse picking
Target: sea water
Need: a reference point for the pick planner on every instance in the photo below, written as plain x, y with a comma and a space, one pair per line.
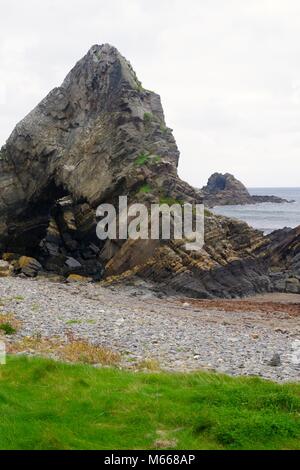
267, 216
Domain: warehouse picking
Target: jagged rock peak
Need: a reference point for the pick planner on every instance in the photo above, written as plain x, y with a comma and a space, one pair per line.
103, 67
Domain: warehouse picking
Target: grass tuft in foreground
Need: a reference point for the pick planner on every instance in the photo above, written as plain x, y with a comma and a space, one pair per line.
8, 324
77, 351
49, 405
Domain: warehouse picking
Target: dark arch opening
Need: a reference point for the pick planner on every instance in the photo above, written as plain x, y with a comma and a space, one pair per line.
26, 233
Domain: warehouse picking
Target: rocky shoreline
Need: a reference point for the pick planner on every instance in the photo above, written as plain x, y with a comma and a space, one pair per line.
178, 334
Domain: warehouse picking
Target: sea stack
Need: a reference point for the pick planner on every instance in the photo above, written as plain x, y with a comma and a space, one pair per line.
225, 189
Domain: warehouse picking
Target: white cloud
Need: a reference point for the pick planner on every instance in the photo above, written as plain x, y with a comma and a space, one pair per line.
228, 73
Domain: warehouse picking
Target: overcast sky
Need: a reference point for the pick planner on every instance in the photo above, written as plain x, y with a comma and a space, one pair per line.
228, 72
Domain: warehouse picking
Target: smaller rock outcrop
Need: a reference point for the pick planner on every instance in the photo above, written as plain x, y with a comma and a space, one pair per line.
224, 190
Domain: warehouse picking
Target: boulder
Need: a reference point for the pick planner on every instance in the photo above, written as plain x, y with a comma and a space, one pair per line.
29, 266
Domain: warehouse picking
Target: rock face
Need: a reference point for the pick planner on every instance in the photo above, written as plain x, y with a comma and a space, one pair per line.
223, 190
283, 256
98, 136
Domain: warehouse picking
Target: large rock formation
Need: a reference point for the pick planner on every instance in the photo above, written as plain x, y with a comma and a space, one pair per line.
98, 136
223, 190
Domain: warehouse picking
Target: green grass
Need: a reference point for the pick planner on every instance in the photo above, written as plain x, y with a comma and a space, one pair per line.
145, 189
49, 405
156, 159
147, 159
207, 213
74, 322
7, 328
148, 117
170, 201
142, 159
